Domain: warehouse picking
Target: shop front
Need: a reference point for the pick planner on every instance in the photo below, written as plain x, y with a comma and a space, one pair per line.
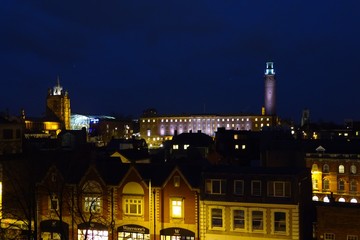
176, 234
92, 231
134, 232
54, 229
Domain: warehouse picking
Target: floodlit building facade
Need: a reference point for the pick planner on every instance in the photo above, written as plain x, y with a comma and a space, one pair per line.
156, 129
255, 203
335, 176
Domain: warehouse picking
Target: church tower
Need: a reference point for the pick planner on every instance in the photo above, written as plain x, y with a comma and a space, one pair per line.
58, 105
270, 89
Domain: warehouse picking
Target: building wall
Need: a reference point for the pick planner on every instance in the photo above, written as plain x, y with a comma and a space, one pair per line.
350, 178
228, 231
156, 130
339, 220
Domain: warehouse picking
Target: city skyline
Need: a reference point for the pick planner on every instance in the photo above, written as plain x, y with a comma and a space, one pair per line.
189, 57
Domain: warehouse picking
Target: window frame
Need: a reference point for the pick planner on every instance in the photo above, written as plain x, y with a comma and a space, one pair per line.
235, 218
326, 184
263, 220
252, 188
209, 186
274, 187
274, 225
213, 226
236, 182
129, 201
54, 199
181, 206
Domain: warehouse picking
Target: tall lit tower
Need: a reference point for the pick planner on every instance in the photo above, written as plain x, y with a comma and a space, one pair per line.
58, 105
270, 89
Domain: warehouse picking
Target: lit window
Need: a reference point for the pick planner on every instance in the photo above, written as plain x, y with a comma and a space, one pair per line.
341, 185
315, 198
341, 199
326, 168
93, 234
148, 132
326, 199
243, 146
279, 222
148, 120
236, 146
177, 208
256, 188
341, 169
279, 189
239, 187
329, 236
256, 119
215, 186
353, 169
326, 184
133, 205
353, 200
238, 219
54, 203
257, 219
176, 146
315, 184
216, 218
92, 201
92, 204
186, 146
353, 185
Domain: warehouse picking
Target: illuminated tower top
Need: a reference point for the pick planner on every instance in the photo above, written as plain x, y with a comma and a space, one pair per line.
57, 89
269, 68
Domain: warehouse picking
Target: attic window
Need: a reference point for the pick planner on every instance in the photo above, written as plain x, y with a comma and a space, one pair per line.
176, 181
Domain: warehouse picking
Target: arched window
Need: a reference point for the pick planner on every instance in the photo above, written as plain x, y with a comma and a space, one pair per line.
315, 198
326, 168
326, 184
353, 200
314, 167
341, 199
353, 169
353, 185
341, 169
341, 185
326, 199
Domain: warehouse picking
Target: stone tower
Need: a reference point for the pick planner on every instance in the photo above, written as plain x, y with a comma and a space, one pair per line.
270, 89
58, 105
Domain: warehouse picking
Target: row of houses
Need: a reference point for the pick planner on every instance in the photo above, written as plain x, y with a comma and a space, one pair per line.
87, 196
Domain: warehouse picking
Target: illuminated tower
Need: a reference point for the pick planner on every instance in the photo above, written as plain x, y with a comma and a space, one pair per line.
58, 105
270, 89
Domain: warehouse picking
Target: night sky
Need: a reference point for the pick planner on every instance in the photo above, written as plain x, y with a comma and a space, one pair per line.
188, 56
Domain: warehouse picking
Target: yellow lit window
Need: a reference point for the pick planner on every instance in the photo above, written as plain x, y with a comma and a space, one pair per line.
243, 146
176, 208
236, 146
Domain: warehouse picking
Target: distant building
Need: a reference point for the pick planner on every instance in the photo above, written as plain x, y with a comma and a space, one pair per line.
58, 105
156, 129
334, 175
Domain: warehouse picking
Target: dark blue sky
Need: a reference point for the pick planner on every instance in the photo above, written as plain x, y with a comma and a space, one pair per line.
188, 56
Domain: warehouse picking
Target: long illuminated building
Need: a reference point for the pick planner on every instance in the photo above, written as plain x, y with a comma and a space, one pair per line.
157, 129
